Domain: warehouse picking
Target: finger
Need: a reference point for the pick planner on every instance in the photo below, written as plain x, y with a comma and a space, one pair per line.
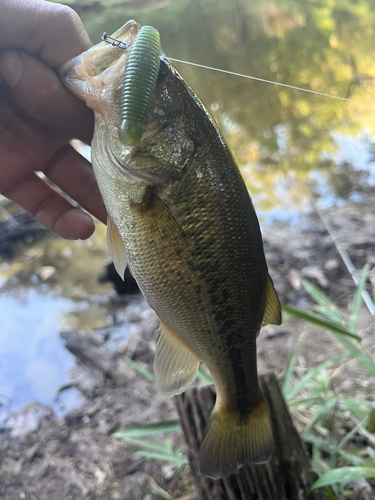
41, 94
50, 31
50, 208
73, 174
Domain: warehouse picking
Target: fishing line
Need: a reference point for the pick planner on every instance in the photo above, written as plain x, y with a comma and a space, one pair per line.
343, 253
345, 256
118, 43
273, 83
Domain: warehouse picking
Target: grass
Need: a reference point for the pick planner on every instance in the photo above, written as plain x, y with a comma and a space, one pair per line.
331, 421
134, 435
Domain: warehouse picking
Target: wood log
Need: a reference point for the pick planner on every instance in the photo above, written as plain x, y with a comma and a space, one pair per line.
91, 354
286, 477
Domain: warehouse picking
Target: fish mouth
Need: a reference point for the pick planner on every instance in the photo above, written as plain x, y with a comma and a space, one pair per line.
96, 76
99, 67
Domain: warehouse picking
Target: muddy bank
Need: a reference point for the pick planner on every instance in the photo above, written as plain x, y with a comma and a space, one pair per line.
76, 457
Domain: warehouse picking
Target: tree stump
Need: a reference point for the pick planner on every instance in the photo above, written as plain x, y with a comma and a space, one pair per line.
286, 477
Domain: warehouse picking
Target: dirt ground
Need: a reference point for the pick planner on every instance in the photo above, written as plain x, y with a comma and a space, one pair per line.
45, 457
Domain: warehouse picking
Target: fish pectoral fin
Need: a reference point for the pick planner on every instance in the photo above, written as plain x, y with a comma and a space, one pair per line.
175, 366
272, 313
159, 224
116, 248
233, 439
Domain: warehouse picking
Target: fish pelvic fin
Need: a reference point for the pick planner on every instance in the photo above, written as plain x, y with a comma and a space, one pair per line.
175, 366
116, 248
272, 312
232, 440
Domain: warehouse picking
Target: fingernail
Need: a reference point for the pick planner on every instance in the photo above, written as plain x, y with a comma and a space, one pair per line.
12, 67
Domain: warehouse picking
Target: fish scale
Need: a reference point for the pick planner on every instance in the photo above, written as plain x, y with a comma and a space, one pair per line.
180, 215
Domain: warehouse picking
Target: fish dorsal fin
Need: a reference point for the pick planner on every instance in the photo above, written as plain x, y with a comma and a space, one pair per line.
175, 366
116, 248
272, 313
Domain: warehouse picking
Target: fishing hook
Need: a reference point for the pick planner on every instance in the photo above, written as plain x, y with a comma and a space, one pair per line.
113, 41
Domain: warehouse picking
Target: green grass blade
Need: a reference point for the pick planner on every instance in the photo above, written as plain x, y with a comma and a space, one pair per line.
328, 448
343, 474
357, 302
363, 429
330, 315
351, 458
312, 373
357, 353
168, 445
329, 494
348, 437
309, 401
147, 444
288, 375
370, 423
354, 405
318, 320
319, 296
153, 429
321, 412
318, 465
160, 496
327, 307
160, 493
165, 457
371, 453
145, 373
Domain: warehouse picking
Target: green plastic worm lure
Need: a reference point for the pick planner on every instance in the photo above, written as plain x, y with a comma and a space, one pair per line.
140, 75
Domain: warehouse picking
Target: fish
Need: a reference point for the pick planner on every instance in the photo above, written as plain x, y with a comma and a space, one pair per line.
181, 218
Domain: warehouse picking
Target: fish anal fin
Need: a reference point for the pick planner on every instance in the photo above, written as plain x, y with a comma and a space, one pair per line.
272, 312
175, 366
116, 248
232, 440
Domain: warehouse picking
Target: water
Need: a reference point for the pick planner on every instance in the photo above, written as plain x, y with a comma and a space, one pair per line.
32, 359
275, 133
45, 288
286, 142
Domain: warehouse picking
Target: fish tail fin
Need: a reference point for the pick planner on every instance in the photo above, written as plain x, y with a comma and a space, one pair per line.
232, 440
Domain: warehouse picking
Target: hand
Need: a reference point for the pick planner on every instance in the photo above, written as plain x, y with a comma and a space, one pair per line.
38, 117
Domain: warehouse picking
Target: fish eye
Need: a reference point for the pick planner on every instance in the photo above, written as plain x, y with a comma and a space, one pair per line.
163, 71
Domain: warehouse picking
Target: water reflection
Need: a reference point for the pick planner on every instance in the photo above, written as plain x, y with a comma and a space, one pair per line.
274, 132
51, 286
32, 359
77, 264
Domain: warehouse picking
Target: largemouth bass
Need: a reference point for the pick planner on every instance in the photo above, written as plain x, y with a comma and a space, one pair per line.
181, 218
